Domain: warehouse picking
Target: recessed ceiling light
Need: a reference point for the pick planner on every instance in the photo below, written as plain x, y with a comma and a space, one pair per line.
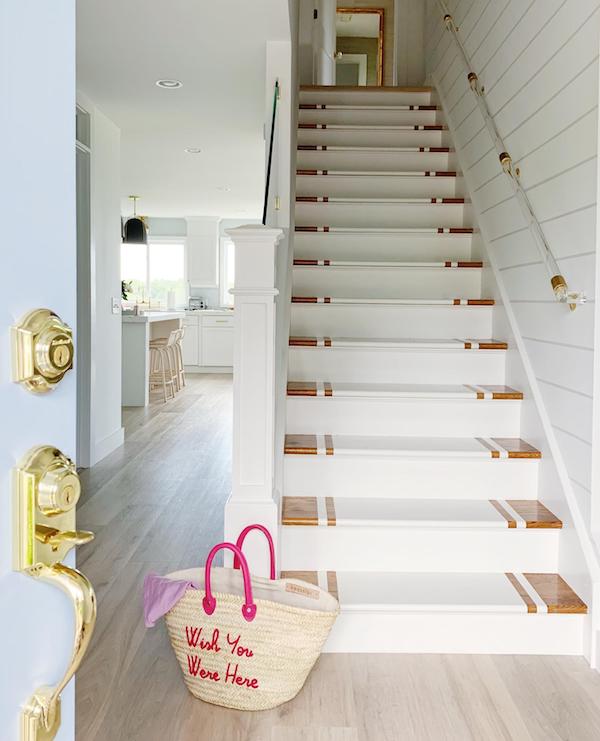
224, 188
169, 84
193, 150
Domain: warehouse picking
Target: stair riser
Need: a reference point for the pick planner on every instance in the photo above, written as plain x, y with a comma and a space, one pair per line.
380, 321
378, 186
377, 116
418, 549
340, 96
472, 418
376, 215
418, 247
397, 366
330, 159
457, 633
390, 282
373, 137
402, 478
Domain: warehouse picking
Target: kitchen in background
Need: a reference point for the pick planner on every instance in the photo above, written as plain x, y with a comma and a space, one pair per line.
180, 278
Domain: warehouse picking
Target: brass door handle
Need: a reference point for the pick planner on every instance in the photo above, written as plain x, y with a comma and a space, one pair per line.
40, 719
46, 489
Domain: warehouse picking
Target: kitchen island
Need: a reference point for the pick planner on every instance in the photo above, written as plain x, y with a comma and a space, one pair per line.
135, 363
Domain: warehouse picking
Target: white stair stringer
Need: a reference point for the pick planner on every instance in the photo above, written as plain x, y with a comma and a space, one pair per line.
407, 491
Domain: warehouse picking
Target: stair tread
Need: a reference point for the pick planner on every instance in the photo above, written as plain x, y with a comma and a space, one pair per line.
344, 200
367, 107
327, 263
442, 513
374, 127
447, 592
365, 148
366, 90
401, 390
385, 229
405, 446
393, 301
379, 173
393, 343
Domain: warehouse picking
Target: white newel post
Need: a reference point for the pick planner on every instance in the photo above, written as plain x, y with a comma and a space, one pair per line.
252, 498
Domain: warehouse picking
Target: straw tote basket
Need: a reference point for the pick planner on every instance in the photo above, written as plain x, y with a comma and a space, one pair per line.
243, 641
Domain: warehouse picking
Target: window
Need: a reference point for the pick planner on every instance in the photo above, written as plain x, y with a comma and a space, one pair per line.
227, 270
155, 269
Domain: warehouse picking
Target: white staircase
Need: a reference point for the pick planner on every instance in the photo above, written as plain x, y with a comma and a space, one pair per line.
408, 492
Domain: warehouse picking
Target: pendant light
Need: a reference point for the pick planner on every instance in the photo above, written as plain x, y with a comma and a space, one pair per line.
135, 230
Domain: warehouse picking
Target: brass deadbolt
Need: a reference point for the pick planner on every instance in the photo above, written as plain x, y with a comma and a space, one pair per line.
42, 350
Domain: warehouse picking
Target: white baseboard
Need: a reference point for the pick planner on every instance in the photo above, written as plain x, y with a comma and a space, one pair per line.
106, 446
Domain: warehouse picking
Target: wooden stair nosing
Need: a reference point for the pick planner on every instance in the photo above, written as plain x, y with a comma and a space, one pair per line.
333, 342
327, 263
309, 511
328, 389
498, 447
378, 173
392, 302
553, 593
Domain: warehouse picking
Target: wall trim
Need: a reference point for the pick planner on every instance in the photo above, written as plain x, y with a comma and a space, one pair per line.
107, 445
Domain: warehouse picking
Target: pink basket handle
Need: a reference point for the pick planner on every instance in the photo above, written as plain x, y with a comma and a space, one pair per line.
240, 543
209, 602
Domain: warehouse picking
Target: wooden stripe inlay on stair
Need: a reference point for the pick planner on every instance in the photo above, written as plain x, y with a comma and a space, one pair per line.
309, 388
329, 342
321, 512
426, 174
300, 444
339, 200
393, 301
320, 263
509, 447
359, 127
534, 515
328, 578
348, 107
552, 590
308, 444
466, 392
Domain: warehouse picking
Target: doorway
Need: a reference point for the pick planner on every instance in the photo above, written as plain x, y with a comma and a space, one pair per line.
359, 46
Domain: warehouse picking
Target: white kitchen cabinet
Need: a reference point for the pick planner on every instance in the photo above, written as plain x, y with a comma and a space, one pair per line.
191, 341
217, 345
208, 341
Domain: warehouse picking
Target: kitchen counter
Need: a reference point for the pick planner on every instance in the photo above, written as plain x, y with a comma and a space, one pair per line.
153, 316
209, 312
135, 349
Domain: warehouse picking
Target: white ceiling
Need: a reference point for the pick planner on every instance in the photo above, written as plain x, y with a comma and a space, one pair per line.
365, 25
217, 49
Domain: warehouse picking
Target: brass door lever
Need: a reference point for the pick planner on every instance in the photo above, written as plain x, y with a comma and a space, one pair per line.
55, 538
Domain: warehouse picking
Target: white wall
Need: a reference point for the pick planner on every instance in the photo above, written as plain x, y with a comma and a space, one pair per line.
409, 46
538, 63
106, 429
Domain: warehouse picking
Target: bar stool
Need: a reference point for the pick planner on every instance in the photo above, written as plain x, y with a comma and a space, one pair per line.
163, 364
173, 345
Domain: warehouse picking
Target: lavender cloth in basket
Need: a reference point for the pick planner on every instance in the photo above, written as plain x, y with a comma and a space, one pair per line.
160, 594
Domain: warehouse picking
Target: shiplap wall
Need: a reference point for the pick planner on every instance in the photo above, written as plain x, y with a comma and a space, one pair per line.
538, 61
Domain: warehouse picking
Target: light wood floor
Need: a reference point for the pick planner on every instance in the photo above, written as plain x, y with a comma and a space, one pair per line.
157, 504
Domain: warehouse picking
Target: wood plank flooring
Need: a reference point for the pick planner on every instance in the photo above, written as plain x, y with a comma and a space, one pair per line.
157, 504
